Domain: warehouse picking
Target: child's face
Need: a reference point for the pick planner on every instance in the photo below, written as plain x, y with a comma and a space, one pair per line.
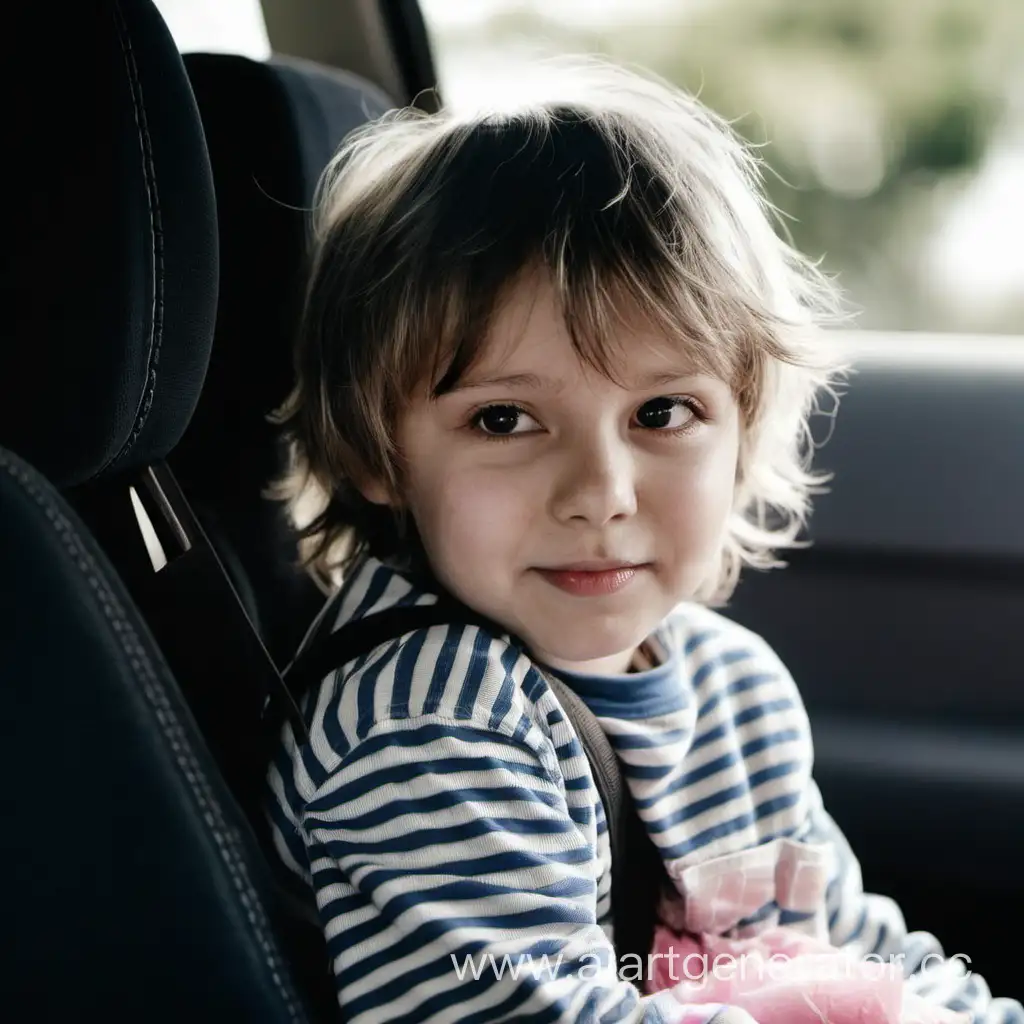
578, 474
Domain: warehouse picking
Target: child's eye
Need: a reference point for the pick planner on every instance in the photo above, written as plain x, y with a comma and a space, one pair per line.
669, 414
503, 421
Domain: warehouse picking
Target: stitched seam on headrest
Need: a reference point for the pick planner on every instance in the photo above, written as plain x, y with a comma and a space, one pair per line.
174, 734
156, 231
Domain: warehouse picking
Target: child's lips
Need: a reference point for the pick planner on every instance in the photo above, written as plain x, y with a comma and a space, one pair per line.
592, 579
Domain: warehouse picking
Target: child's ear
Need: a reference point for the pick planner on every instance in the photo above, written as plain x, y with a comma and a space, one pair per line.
374, 489
376, 492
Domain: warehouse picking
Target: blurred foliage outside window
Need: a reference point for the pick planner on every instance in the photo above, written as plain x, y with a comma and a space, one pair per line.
892, 130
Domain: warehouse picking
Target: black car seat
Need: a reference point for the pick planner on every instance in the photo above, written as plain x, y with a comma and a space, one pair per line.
133, 889
271, 128
111, 293
149, 889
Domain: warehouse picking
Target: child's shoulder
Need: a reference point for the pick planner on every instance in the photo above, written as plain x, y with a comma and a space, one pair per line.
467, 676
704, 636
734, 674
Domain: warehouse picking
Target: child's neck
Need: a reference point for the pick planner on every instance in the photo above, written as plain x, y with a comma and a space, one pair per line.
636, 660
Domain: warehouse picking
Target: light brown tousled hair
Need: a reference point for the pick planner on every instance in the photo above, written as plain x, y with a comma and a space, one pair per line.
635, 200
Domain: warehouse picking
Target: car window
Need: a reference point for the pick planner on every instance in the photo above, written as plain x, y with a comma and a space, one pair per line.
227, 26
893, 133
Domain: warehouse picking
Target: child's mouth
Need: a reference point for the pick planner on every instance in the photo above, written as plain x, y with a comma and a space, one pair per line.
587, 582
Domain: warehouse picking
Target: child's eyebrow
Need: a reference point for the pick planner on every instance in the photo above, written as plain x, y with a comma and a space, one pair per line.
534, 382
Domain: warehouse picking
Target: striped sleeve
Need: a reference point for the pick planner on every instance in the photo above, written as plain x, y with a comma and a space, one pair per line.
454, 885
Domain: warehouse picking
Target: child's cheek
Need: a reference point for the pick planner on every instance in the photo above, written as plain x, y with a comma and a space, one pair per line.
483, 515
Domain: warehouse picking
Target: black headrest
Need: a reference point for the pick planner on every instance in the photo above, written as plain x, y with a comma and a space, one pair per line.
111, 241
271, 128
131, 883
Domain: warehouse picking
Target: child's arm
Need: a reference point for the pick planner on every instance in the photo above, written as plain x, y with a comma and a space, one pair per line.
447, 867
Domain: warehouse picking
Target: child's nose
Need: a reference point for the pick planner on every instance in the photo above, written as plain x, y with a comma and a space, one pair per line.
596, 484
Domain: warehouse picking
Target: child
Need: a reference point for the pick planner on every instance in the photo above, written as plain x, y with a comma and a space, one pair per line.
555, 362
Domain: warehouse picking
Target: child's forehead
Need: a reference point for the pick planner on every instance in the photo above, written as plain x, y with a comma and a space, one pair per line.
530, 334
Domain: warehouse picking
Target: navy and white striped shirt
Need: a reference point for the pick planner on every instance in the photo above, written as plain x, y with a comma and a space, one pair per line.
444, 809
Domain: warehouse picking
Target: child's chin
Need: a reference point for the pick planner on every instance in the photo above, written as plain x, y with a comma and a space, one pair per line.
561, 651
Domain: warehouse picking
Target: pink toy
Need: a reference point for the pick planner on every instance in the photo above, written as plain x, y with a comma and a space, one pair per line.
778, 975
